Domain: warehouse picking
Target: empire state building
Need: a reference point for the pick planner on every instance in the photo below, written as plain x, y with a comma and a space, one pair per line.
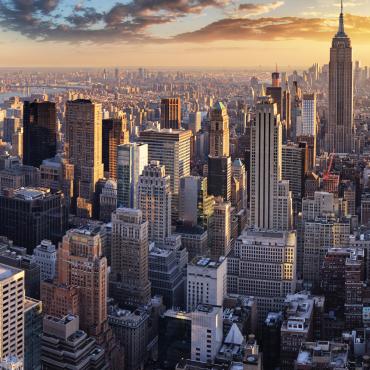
340, 128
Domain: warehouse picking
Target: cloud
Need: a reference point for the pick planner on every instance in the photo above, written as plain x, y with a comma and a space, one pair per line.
274, 29
250, 9
130, 22
125, 22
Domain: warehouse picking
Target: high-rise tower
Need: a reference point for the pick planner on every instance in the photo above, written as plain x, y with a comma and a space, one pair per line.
219, 131
266, 163
154, 200
84, 150
40, 132
339, 136
171, 113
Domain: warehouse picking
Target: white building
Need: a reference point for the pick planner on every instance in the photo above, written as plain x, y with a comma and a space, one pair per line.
12, 300
45, 255
154, 200
263, 264
266, 163
206, 282
309, 116
206, 332
132, 158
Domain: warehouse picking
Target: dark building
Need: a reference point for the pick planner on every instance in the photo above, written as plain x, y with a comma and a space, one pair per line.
30, 215
17, 257
271, 340
32, 334
174, 338
40, 132
219, 177
114, 133
171, 113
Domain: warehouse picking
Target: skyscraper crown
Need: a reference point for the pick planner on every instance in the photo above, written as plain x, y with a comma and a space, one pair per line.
341, 32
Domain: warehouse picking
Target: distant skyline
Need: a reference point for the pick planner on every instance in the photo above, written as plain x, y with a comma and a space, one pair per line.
178, 33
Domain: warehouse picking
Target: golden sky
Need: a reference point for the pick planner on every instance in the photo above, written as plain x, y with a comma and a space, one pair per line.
214, 33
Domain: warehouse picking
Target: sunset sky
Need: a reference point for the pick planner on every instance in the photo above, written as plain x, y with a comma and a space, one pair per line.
214, 33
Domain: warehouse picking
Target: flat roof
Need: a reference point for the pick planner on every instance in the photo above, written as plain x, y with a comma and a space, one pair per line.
7, 271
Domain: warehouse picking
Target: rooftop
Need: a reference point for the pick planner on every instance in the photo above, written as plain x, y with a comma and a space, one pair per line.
206, 262
31, 193
6, 271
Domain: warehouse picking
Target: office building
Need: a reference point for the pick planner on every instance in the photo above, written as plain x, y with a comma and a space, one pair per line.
166, 277
16, 257
220, 231
129, 281
12, 312
171, 113
206, 282
84, 151
45, 256
174, 337
172, 149
58, 174
59, 299
340, 130
194, 239
309, 116
195, 205
40, 132
30, 215
294, 168
319, 235
219, 177
266, 163
154, 200
64, 344
132, 158
219, 133
80, 260
131, 328
263, 264
108, 200
32, 334
206, 332
114, 133
18, 176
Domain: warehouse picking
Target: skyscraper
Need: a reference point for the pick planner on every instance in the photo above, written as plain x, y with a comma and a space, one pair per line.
84, 150
219, 133
309, 116
154, 200
171, 113
132, 158
114, 133
40, 132
266, 166
129, 280
29, 215
339, 139
172, 149
82, 265
12, 301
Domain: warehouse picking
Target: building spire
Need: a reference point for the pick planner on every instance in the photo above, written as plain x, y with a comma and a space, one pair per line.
341, 20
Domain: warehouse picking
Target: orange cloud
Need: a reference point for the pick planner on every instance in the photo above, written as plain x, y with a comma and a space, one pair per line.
271, 29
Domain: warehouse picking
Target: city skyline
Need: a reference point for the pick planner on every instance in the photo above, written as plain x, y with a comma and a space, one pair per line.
211, 33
